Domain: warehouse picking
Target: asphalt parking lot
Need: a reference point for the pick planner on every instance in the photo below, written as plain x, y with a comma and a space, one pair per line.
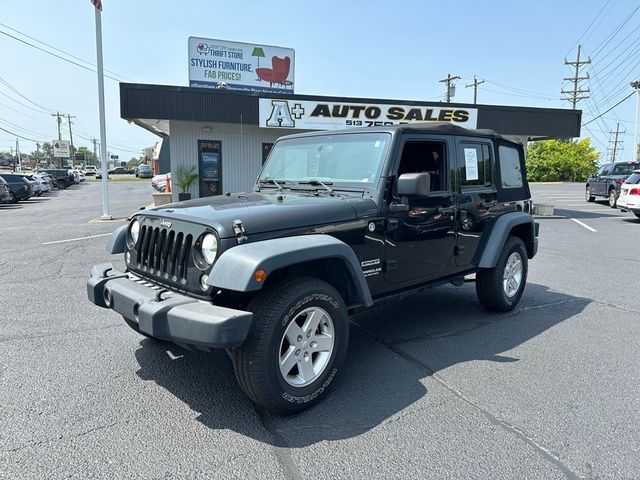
434, 386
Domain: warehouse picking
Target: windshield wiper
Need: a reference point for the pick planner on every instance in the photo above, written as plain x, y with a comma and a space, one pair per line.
317, 183
263, 181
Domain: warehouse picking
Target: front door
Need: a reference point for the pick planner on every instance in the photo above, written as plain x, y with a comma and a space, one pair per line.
419, 240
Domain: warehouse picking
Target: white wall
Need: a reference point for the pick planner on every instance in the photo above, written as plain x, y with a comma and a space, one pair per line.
241, 151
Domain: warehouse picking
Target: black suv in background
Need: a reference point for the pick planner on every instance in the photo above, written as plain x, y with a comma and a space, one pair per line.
336, 222
5, 194
19, 187
64, 178
607, 181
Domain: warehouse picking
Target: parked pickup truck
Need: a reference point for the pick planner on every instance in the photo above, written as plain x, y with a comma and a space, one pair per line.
336, 222
607, 181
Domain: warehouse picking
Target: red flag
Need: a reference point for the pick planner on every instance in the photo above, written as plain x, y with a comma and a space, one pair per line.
97, 4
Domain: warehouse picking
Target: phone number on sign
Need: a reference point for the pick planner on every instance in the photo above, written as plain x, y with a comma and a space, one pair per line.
368, 123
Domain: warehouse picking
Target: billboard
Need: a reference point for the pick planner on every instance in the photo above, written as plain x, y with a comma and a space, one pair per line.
240, 66
319, 115
61, 148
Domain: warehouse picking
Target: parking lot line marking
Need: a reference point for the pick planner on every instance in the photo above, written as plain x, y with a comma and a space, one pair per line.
76, 239
584, 225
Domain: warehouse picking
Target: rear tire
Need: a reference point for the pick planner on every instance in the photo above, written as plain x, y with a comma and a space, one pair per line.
295, 347
500, 288
588, 196
613, 198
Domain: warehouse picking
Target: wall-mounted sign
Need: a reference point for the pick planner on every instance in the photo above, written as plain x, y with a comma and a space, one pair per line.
314, 115
61, 148
240, 66
210, 167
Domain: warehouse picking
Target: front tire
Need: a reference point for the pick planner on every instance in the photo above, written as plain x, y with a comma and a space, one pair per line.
588, 197
613, 198
500, 288
295, 347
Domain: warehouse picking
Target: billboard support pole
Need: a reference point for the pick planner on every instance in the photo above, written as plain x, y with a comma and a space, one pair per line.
103, 129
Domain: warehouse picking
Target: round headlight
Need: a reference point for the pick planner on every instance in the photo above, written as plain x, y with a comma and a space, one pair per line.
209, 248
134, 231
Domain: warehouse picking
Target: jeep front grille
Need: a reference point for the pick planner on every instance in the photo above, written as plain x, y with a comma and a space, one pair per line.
164, 253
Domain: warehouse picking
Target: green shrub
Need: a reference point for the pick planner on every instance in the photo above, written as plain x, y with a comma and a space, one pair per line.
561, 161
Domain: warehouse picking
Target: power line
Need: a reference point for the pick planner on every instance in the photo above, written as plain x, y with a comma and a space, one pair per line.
587, 29
605, 42
19, 136
607, 111
56, 55
13, 89
62, 51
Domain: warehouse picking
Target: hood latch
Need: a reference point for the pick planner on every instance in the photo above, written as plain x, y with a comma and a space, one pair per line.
239, 230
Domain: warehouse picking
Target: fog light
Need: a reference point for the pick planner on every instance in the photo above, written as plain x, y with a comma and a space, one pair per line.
203, 282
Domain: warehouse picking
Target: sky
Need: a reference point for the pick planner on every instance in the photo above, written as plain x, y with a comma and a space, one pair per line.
357, 48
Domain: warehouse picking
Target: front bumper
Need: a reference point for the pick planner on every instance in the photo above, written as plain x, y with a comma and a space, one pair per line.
167, 315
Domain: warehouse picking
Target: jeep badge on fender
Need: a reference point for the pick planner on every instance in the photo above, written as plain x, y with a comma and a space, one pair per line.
336, 222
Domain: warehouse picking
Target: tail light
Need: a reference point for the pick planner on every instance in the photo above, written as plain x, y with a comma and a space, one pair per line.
620, 181
634, 191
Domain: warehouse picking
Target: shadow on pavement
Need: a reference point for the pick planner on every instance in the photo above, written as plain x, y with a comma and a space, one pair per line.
379, 379
581, 214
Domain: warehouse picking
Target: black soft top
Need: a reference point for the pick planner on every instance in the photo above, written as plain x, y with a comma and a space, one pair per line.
442, 128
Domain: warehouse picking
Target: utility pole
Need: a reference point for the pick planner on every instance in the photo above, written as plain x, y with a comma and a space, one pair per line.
475, 88
13, 161
59, 115
575, 93
451, 89
616, 149
95, 155
69, 117
636, 154
18, 159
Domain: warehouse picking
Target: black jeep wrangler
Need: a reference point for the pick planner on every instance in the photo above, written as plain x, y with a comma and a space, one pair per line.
336, 222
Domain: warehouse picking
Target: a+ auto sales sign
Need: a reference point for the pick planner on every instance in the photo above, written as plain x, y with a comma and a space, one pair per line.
318, 115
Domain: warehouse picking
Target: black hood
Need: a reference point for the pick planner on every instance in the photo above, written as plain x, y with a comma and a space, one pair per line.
266, 211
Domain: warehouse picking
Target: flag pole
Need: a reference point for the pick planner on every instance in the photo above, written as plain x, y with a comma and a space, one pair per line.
103, 129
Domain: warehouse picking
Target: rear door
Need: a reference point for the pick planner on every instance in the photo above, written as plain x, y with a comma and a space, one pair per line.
477, 194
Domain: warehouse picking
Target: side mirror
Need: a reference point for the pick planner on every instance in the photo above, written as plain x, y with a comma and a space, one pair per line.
414, 184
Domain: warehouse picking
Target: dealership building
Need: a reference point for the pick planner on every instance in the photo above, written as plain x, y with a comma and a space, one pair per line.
226, 134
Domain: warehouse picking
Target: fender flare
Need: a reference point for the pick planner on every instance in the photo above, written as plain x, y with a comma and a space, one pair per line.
490, 249
117, 241
235, 268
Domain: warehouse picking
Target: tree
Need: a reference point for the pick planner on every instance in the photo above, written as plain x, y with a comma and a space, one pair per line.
89, 159
133, 163
557, 161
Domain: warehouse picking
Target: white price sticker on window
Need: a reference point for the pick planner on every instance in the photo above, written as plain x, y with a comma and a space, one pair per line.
471, 163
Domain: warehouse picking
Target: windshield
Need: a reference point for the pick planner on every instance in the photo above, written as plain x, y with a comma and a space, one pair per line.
339, 159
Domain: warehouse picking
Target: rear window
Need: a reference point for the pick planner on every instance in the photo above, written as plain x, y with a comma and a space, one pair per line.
510, 170
625, 168
633, 179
